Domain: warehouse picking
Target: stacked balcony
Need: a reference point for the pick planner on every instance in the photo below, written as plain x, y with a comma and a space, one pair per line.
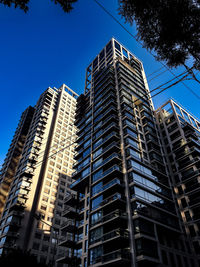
70, 239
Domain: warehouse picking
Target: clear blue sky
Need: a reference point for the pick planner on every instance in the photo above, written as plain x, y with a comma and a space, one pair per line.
47, 47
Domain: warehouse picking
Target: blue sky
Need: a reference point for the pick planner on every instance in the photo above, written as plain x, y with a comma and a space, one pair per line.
47, 47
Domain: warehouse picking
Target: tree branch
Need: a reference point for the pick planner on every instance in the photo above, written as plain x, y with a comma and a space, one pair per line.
191, 72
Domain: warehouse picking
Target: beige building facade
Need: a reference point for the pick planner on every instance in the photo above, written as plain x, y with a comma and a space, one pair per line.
32, 213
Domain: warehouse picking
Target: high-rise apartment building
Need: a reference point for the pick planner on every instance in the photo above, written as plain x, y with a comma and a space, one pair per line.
32, 212
13, 156
180, 132
124, 211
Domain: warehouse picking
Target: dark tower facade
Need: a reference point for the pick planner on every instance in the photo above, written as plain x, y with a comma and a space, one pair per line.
123, 212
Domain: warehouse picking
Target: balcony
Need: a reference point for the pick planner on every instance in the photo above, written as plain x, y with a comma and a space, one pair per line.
113, 157
111, 201
106, 97
194, 199
193, 150
106, 104
156, 157
111, 110
69, 226
71, 200
117, 258
114, 235
70, 212
97, 133
194, 187
26, 174
113, 185
111, 217
109, 80
70, 241
189, 175
193, 140
188, 163
80, 183
101, 76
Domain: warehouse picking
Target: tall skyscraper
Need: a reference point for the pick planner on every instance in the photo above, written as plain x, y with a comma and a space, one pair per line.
180, 132
32, 212
123, 212
13, 156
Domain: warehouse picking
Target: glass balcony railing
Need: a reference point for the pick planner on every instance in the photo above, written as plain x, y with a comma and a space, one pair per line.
112, 156
71, 238
106, 186
108, 200
113, 234
68, 223
115, 214
78, 180
118, 254
70, 209
104, 139
121, 254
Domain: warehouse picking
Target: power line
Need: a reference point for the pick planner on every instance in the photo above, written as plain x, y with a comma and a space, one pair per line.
155, 71
134, 36
144, 94
157, 76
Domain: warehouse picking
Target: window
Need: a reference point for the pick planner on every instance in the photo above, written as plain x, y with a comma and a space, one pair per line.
48, 183
96, 217
96, 202
97, 163
95, 254
133, 153
43, 207
86, 152
86, 161
129, 123
97, 188
124, 52
97, 175
85, 262
97, 143
131, 142
9, 219
147, 196
46, 190
97, 153
85, 172
86, 229
130, 132
86, 143
95, 235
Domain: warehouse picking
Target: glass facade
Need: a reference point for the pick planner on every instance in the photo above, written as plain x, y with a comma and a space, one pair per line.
131, 216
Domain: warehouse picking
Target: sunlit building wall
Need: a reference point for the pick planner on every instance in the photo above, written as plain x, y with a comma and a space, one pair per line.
32, 214
13, 155
180, 132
